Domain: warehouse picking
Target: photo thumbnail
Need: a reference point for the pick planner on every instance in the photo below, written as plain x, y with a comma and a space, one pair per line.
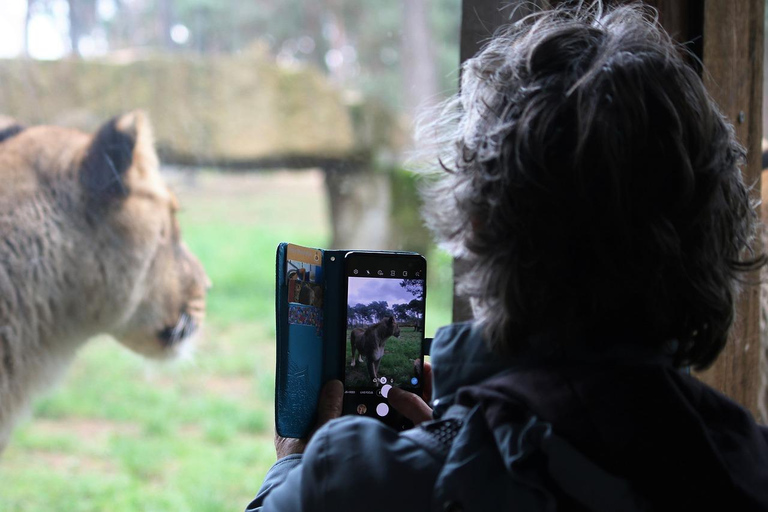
304, 283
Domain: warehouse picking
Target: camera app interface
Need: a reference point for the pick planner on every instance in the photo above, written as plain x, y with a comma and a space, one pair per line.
385, 327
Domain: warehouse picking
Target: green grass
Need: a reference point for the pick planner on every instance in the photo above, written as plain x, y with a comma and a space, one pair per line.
124, 434
397, 362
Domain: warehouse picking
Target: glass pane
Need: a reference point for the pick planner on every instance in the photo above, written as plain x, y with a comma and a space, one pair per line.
275, 120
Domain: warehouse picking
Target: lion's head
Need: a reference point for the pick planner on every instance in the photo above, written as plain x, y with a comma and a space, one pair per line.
94, 215
133, 216
89, 244
392, 328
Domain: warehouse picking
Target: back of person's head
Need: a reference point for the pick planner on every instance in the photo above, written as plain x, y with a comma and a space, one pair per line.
593, 186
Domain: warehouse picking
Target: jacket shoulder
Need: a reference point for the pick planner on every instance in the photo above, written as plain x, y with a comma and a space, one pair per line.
360, 463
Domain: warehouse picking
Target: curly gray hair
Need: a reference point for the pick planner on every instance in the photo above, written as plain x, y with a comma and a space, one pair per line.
593, 186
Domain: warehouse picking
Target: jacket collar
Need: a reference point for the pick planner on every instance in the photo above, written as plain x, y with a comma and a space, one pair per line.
461, 357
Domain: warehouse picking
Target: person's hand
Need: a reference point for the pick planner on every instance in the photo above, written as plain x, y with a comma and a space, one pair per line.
328, 408
411, 405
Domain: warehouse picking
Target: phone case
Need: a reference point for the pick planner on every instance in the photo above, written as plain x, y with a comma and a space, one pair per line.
304, 361
307, 334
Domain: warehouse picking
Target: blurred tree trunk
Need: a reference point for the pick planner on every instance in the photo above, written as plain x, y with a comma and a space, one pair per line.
335, 29
166, 17
419, 63
312, 23
75, 26
27, 19
82, 16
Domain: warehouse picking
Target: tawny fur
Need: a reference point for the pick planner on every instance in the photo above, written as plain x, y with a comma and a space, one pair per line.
73, 265
370, 342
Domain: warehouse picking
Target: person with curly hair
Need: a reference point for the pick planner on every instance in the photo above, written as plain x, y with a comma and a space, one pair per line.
593, 189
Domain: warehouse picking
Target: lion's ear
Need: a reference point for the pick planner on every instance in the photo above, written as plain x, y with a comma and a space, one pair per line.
121, 152
9, 127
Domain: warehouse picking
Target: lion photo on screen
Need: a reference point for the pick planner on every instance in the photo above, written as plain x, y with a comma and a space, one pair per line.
370, 342
89, 244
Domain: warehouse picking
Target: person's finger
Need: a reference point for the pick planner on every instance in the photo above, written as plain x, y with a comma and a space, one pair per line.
330, 402
409, 405
426, 392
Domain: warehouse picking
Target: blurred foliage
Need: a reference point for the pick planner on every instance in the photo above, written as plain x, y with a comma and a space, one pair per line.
367, 34
408, 229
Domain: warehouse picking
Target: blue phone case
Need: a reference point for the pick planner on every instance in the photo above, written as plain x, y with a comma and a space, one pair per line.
308, 349
305, 360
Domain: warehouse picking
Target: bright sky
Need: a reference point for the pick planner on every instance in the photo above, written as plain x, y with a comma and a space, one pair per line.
47, 30
364, 290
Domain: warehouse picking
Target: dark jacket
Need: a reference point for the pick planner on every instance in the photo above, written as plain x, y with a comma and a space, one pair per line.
615, 431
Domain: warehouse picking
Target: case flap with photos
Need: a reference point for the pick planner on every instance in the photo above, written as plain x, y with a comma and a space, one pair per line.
299, 373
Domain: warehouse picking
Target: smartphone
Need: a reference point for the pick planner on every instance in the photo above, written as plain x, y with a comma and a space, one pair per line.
385, 304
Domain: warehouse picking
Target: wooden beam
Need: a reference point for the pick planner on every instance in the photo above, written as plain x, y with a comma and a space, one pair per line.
479, 20
684, 21
733, 73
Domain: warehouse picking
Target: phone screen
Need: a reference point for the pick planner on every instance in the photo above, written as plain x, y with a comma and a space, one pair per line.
386, 296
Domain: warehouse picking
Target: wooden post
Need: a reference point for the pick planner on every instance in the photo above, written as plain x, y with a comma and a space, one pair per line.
728, 38
733, 73
479, 20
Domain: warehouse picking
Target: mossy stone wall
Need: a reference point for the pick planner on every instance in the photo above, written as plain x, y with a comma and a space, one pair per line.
223, 108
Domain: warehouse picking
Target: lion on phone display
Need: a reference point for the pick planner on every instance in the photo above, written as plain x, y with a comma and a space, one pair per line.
370, 342
90, 245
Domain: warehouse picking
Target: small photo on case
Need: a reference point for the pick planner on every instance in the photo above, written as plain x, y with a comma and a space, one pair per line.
304, 275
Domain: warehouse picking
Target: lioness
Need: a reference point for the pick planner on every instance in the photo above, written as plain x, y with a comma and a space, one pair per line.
89, 244
371, 341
